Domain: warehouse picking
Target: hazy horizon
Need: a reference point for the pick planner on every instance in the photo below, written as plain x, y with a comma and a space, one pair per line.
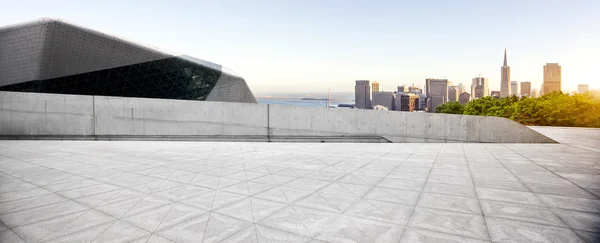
314, 45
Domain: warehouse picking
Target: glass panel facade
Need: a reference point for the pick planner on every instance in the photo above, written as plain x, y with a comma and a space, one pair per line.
171, 78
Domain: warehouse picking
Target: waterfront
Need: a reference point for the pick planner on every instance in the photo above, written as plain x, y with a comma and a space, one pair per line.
298, 102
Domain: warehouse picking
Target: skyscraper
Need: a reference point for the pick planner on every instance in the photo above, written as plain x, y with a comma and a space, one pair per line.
362, 94
375, 89
453, 93
464, 98
437, 92
514, 88
582, 88
505, 79
552, 78
402, 89
525, 88
385, 99
479, 88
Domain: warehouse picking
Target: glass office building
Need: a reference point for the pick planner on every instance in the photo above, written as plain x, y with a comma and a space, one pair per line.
53, 56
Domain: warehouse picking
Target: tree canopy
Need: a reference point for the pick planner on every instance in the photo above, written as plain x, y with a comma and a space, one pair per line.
555, 109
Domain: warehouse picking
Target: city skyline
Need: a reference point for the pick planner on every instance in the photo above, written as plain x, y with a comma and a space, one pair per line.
314, 46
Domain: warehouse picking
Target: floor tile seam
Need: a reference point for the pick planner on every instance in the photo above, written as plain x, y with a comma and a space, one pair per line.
529, 222
540, 206
582, 188
48, 219
214, 198
446, 233
21, 238
116, 221
526, 186
410, 217
487, 229
282, 230
164, 217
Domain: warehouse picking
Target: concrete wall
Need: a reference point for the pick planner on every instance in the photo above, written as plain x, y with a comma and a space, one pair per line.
97, 116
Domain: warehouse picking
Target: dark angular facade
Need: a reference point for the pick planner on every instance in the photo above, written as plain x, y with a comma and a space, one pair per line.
51, 56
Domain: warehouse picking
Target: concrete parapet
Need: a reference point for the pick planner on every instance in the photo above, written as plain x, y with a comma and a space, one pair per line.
34, 115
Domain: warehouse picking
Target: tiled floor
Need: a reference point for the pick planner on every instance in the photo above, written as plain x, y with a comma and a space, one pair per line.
76, 191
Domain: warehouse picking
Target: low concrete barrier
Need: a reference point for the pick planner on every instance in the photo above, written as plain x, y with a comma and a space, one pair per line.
31, 115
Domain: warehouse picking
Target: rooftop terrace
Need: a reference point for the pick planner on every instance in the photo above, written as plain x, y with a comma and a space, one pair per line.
132, 191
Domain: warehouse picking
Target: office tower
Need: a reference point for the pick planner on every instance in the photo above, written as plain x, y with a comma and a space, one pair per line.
414, 89
479, 87
505, 79
534, 93
464, 98
514, 88
403, 89
362, 94
582, 88
384, 98
406, 102
437, 92
525, 88
552, 78
452, 93
422, 101
461, 88
375, 89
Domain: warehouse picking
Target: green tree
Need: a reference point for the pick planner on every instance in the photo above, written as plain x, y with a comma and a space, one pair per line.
450, 108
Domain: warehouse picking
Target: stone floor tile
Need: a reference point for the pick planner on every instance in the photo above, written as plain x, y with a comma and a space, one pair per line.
571, 203
500, 184
381, 211
590, 237
268, 234
580, 220
402, 184
469, 225
417, 235
221, 227
455, 180
188, 230
449, 203
450, 189
120, 232
352, 229
503, 230
393, 195
9, 236
561, 190
518, 197
520, 212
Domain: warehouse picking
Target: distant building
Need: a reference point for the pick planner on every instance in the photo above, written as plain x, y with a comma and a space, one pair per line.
479, 88
437, 92
541, 91
375, 89
452, 93
552, 78
464, 98
461, 88
415, 90
582, 88
406, 102
422, 102
514, 88
526, 89
362, 94
534, 93
402, 89
384, 98
505, 79
496, 94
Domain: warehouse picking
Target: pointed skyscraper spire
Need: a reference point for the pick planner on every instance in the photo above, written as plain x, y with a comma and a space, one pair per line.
505, 64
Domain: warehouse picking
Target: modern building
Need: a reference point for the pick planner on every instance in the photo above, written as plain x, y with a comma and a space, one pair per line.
375, 89
505, 79
414, 89
496, 94
582, 88
464, 98
514, 88
461, 88
534, 93
54, 56
526, 89
403, 89
362, 94
552, 78
437, 92
406, 102
452, 93
384, 98
479, 87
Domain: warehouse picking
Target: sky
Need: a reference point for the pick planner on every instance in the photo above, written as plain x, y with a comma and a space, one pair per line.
316, 45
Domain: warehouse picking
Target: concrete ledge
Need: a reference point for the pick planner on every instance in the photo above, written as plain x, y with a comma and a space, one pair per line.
120, 118
297, 139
